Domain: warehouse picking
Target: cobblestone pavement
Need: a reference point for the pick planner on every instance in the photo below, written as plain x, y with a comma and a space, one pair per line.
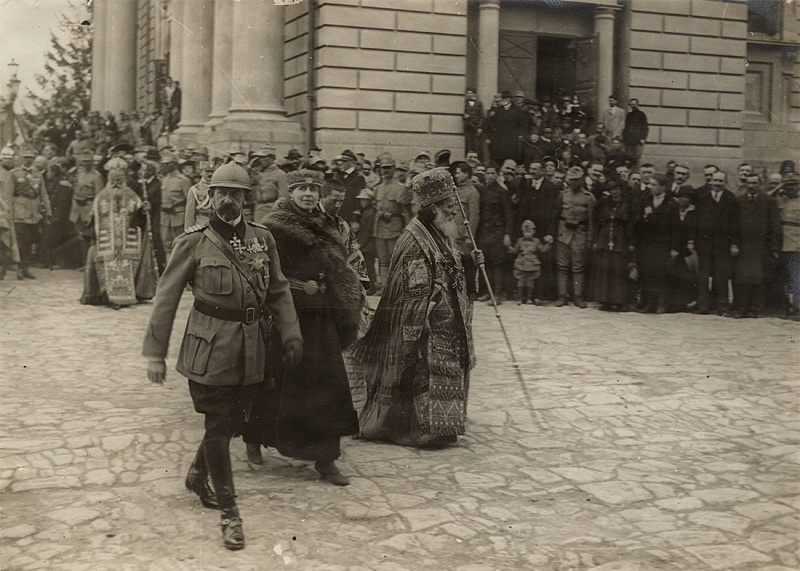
654, 442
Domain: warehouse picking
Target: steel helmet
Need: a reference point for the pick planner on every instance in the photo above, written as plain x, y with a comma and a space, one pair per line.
230, 175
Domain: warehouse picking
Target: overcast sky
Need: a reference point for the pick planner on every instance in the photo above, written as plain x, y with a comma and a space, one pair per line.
25, 27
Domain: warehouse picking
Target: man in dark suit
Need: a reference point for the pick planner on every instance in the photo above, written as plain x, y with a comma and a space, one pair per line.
353, 182
757, 262
708, 172
634, 134
473, 123
540, 202
717, 243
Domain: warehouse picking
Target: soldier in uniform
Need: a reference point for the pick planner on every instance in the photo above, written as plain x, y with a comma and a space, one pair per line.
9, 255
174, 193
236, 278
575, 233
31, 206
87, 183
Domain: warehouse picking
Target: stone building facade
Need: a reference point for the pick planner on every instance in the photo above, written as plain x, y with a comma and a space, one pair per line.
719, 80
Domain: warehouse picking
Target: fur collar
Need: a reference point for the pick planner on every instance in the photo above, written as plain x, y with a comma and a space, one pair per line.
318, 231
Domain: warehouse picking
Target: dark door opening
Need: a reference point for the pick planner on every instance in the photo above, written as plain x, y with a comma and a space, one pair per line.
555, 67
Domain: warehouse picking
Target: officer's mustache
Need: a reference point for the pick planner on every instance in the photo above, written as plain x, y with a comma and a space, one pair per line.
228, 211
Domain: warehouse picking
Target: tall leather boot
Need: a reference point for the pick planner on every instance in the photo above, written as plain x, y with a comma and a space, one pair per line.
577, 288
218, 461
197, 480
562, 288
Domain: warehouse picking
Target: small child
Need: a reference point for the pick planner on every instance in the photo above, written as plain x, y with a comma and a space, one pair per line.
527, 267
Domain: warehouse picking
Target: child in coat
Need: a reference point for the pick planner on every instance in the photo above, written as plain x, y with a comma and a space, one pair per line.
527, 267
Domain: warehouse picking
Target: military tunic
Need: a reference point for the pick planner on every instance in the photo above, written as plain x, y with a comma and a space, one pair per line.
174, 193
215, 351
87, 183
575, 229
30, 204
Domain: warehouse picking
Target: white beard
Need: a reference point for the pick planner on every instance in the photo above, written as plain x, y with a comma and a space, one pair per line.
447, 227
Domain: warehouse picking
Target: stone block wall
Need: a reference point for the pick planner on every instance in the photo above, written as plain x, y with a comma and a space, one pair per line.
390, 75
687, 66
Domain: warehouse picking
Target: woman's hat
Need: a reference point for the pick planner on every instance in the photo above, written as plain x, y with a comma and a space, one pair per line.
305, 177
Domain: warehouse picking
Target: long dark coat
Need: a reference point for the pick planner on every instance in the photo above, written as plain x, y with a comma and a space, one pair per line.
717, 228
653, 244
506, 125
615, 222
311, 406
761, 235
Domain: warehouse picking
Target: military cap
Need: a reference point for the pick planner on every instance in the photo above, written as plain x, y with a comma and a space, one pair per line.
265, 151
790, 178
293, 154
348, 154
528, 225
7, 153
433, 186
402, 166
387, 162
202, 151
518, 93
367, 194
28, 152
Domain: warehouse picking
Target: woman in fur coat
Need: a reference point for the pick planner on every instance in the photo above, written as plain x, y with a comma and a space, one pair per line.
308, 407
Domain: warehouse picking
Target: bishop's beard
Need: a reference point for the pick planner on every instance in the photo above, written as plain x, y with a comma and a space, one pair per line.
447, 227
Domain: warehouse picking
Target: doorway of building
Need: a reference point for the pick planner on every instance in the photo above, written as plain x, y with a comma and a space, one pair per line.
555, 67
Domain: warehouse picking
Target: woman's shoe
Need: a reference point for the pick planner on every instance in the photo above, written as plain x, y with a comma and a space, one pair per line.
329, 471
232, 533
199, 485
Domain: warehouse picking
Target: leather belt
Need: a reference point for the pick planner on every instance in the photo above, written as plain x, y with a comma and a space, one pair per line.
246, 315
573, 225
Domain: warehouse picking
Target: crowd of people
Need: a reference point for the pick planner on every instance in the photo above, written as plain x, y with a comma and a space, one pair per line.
304, 241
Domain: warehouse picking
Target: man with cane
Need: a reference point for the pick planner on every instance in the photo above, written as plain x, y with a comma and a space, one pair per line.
418, 352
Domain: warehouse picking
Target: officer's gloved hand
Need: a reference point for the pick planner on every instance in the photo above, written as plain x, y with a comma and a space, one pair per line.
157, 371
292, 352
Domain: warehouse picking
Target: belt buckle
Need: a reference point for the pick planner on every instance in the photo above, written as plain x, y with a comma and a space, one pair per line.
250, 315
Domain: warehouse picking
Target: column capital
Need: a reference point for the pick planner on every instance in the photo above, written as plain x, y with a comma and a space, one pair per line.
605, 11
489, 4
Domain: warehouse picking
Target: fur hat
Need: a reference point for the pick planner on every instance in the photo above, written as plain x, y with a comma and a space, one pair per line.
303, 177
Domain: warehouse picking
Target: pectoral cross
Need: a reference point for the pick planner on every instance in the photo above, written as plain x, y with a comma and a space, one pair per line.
611, 244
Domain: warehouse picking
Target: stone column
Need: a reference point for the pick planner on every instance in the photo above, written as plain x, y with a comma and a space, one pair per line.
604, 32
120, 60
223, 59
99, 27
257, 70
197, 61
176, 40
489, 49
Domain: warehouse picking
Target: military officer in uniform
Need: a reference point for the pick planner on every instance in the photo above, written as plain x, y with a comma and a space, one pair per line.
87, 182
575, 233
236, 278
31, 206
174, 193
